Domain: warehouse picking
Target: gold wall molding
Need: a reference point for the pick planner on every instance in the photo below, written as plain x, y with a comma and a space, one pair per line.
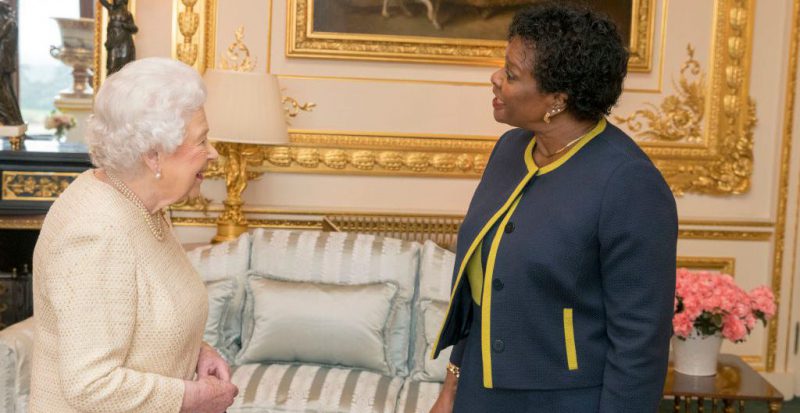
303, 41
194, 32
725, 265
35, 186
783, 198
211, 211
371, 154
725, 223
21, 222
724, 235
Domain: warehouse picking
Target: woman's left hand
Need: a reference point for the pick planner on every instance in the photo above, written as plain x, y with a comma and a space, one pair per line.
210, 363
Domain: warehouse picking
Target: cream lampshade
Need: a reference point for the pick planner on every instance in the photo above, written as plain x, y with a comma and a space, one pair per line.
245, 107
244, 111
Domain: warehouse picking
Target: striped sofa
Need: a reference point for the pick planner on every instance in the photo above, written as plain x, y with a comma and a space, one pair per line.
261, 291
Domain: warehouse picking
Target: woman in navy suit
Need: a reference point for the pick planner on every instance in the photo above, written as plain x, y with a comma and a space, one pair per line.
564, 280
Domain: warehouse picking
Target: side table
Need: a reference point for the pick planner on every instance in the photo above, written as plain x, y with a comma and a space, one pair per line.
735, 384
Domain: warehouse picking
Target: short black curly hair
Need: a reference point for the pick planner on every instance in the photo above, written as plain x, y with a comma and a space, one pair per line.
576, 51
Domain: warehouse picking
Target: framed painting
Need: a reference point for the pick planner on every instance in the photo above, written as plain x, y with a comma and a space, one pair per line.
438, 31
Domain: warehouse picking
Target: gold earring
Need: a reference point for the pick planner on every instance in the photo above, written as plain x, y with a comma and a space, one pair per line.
547, 117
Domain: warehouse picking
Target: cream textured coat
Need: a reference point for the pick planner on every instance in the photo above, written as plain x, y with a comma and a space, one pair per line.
119, 315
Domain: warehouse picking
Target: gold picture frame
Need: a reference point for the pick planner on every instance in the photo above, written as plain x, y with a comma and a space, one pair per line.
304, 41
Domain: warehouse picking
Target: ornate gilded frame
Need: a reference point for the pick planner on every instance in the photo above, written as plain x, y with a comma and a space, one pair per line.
303, 41
194, 32
702, 138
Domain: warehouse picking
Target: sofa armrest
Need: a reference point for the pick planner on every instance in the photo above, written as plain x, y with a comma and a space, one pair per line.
16, 350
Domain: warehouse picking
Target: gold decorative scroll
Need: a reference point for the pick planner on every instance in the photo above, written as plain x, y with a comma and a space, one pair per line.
35, 186
702, 138
194, 32
303, 41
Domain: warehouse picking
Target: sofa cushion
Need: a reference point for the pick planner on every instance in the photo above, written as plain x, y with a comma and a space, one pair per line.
418, 396
303, 388
347, 259
316, 323
222, 261
223, 326
223, 267
435, 272
428, 324
436, 269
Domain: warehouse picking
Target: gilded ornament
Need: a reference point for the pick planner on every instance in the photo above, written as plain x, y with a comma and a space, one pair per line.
444, 162
679, 118
279, 156
238, 57
336, 159
307, 157
391, 160
35, 186
363, 159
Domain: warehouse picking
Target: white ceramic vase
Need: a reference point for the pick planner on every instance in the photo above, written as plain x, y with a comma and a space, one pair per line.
697, 354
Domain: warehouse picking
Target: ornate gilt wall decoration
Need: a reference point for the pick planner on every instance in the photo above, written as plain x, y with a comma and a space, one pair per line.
35, 186
702, 139
678, 117
237, 57
303, 41
194, 32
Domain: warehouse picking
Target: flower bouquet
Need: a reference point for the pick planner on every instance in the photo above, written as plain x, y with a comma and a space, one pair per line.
61, 122
709, 307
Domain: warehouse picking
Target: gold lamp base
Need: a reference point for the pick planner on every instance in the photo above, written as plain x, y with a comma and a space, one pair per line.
228, 231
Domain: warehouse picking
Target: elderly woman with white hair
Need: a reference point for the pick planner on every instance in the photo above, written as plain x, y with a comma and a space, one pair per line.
119, 309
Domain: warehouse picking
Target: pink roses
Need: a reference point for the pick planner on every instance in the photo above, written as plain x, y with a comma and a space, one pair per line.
712, 303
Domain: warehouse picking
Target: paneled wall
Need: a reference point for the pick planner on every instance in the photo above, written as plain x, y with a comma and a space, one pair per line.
738, 48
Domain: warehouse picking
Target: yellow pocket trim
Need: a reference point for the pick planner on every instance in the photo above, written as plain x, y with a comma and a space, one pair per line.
569, 339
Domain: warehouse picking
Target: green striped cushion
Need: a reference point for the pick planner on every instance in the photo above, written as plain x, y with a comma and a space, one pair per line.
418, 396
306, 387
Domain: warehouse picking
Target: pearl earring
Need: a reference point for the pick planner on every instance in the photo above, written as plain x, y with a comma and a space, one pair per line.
158, 174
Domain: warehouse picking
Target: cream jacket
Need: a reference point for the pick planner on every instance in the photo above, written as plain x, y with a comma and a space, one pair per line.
119, 315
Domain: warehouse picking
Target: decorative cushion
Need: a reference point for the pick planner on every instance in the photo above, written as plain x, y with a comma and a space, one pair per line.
316, 323
222, 261
418, 396
223, 267
346, 259
435, 275
223, 326
16, 346
432, 315
435, 272
304, 388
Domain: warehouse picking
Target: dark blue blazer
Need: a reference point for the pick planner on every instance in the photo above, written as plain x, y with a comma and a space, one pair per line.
579, 291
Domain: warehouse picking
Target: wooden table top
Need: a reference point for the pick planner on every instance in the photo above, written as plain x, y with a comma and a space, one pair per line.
735, 380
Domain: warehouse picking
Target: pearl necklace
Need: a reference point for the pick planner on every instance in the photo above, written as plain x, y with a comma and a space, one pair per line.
153, 220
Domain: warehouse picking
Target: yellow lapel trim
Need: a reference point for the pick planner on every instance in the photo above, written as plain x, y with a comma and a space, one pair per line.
528, 156
486, 301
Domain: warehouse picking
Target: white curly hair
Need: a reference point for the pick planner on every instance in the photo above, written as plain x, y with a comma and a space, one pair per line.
143, 107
